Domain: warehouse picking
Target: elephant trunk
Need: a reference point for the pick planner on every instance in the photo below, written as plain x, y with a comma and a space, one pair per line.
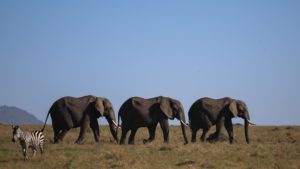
113, 126
183, 126
246, 125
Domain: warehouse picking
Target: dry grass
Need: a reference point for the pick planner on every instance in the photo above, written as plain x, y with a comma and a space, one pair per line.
270, 148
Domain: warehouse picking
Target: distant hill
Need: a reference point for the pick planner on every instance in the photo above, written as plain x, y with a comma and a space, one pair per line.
14, 115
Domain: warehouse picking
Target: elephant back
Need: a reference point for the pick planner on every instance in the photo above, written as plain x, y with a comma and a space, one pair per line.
213, 105
124, 107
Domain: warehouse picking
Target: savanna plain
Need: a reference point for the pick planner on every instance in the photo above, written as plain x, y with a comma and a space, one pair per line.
271, 147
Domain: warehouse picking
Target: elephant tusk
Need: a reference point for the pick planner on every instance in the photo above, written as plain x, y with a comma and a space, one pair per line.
115, 124
250, 122
184, 123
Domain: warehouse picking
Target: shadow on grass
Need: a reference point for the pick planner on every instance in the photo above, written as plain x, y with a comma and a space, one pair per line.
188, 162
164, 148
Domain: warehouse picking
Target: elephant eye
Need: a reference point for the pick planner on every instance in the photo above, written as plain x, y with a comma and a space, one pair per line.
107, 109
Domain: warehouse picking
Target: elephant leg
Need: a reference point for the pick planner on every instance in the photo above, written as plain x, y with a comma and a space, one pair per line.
228, 126
132, 135
203, 136
95, 127
124, 133
219, 125
194, 133
81, 134
96, 133
62, 134
56, 133
164, 124
151, 130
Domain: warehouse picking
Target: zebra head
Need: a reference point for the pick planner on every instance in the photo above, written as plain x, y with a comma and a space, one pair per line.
16, 133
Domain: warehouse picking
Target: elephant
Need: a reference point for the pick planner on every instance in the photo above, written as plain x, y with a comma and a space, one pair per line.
72, 112
206, 112
138, 112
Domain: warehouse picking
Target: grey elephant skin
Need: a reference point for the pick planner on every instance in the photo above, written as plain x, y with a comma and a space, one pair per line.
207, 112
72, 112
138, 112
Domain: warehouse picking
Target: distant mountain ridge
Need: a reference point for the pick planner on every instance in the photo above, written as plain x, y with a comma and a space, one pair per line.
15, 115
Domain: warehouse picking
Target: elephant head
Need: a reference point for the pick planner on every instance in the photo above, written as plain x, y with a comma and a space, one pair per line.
173, 109
105, 108
239, 108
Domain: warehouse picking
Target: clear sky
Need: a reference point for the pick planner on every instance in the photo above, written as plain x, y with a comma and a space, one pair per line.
248, 50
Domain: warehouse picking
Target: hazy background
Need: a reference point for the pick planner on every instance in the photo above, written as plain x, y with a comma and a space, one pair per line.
181, 49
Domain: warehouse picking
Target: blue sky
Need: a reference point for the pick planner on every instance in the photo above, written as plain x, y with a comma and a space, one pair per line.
248, 50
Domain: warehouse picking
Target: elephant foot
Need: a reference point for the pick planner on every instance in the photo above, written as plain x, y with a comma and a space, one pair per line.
212, 140
97, 139
212, 136
116, 141
56, 141
145, 141
78, 141
215, 138
131, 142
166, 142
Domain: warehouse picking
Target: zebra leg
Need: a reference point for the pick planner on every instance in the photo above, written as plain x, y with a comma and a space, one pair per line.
34, 152
25, 153
42, 148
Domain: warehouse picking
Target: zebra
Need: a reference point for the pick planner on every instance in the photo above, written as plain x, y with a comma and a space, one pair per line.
27, 140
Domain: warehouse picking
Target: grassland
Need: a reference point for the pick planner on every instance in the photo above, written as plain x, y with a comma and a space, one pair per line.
271, 147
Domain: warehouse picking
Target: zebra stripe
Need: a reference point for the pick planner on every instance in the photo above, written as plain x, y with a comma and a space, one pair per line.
33, 140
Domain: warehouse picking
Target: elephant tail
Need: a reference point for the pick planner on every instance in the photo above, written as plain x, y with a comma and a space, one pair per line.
45, 122
123, 109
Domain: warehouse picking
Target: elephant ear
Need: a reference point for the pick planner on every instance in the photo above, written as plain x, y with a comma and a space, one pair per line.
165, 106
99, 106
107, 105
233, 108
